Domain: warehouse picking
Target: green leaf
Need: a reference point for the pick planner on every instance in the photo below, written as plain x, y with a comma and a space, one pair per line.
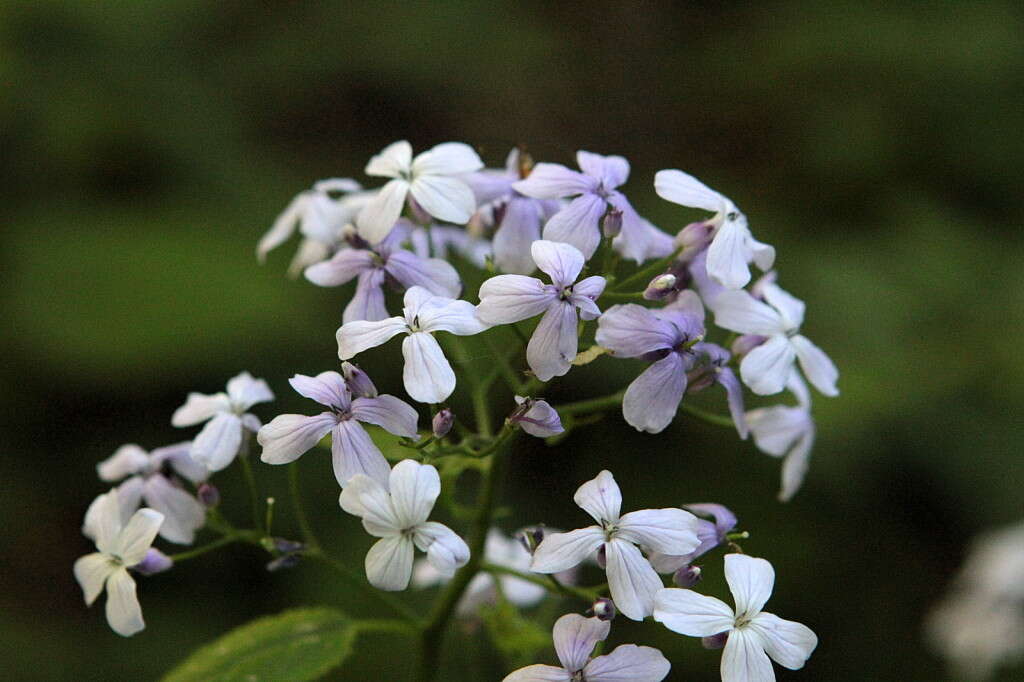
296, 645
518, 639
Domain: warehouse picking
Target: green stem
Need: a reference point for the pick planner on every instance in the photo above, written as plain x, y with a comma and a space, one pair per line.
591, 405
504, 366
199, 551
621, 296
300, 514
550, 583
357, 582
646, 274
250, 479
709, 417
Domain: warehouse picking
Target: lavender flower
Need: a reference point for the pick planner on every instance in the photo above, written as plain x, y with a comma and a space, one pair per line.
373, 265
288, 436
710, 533
510, 298
786, 431
148, 478
536, 417
595, 191
712, 368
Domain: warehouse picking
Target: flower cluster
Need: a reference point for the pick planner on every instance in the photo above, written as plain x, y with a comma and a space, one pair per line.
569, 274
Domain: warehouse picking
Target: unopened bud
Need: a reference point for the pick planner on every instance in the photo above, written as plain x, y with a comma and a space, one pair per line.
208, 495
442, 423
530, 538
687, 576
746, 343
660, 287
611, 226
283, 562
603, 609
358, 381
154, 562
285, 546
715, 641
694, 238
602, 558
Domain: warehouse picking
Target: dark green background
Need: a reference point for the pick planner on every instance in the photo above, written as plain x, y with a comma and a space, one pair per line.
145, 146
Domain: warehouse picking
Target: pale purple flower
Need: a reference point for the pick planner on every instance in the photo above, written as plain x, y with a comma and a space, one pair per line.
666, 336
518, 217
226, 415
397, 513
575, 637
710, 533
427, 375
289, 436
754, 636
765, 369
375, 265
536, 417
595, 191
445, 240
121, 546
632, 580
510, 298
733, 246
786, 431
149, 477
712, 368
432, 179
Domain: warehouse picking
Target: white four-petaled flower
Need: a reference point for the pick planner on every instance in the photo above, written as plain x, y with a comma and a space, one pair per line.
427, 375
398, 516
753, 635
510, 298
786, 431
432, 178
225, 413
632, 580
120, 546
574, 637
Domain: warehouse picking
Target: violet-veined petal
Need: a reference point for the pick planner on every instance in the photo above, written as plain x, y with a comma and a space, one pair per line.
519, 228
744, 658
790, 308
577, 224
575, 638
611, 170
357, 336
368, 301
669, 531
342, 268
380, 214
684, 189
433, 274
539, 673
552, 348
727, 256
353, 453
600, 497
199, 407
327, 388
447, 158
630, 330
510, 298
628, 663
561, 262
787, 642
414, 490
288, 436
389, 563
726, 378
794, 467
554, 181
123, 611
632, 580
652, 399
445, 198
427, 375
818, 367
388, 412
368, 499
183, 514
217, 444
245, 391
766, 368
138, 535
750, 581
692, 614
446, 551
561, 551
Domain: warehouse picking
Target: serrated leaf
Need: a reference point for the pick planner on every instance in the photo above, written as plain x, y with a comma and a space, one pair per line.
296, 645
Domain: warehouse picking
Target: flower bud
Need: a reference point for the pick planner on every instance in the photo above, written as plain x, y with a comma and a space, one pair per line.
687, 576
154, 562
660, 287
442, 423
602, 558
715, 641
603, 609
694, 238
208, 495
285, 546
531, 537
746, 343
611, 226
536, 417
358, 381
282, 562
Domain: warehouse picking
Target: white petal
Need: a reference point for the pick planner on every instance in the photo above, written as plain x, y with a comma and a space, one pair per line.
577, 224
519, 228
600, 497
692, 614
787, 642
447, 158
389, 563
200, 407
327, 388
448, 199
611, 170
245, 391
628, 662
180, 459
552, 348
427, 375
183, 514
434, 274
561, 262
684, 189
138, 535
777, 428
388, 412
727, 256
790, 307
355, 337
669, 531
446, 551
128, 460
750, 581
414, 490
740, 312
575, 637
766, 368
652, 399
342, 268
368, 499
103, 521
539, 673
381, 213
217, 444
91, 572
283, 227
288, 436
561, 551
794, 467
447, 315
554, 181
818, 367
354, 453
510, 298
124, 614
632, 580
744, 659
337, 185
396, 158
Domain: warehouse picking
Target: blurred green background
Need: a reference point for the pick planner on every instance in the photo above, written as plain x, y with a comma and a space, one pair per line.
147, 145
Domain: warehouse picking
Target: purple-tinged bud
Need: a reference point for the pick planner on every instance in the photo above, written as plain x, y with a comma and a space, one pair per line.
531, 537
420, 216
358, 381
285, 546
208, 495
536, 417
715, 641
611, 226
694, 238
746, 343
283, 562
602, 558
660, 287
687, 576
442, 422
603, 609
154, 562
757, 290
